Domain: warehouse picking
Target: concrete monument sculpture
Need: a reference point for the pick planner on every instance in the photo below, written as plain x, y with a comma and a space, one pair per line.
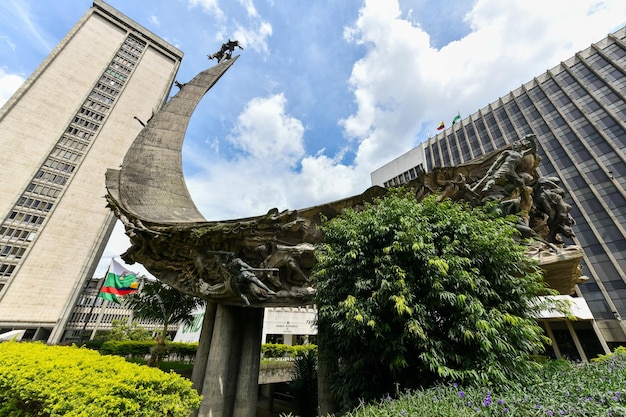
239, 266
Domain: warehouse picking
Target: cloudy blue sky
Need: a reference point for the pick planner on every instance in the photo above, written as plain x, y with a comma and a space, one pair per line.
325, 91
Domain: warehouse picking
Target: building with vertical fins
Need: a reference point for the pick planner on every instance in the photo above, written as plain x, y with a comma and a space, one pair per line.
577, 110
74, 117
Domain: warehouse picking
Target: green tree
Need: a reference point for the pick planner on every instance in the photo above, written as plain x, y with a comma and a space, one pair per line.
163, 304
122, 331
410, 294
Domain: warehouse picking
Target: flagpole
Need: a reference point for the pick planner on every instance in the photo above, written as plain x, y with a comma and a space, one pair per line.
93, 305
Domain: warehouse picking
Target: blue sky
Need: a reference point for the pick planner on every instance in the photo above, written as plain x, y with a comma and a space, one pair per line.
325, 91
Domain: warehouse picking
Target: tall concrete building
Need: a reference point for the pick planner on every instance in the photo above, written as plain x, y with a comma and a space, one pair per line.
578, 112
73, 118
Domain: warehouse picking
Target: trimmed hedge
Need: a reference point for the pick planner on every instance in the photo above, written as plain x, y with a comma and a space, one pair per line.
130, 348
51, 381
187, 351
278, 350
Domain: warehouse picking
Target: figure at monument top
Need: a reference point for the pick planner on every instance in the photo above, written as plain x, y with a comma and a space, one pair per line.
226, 51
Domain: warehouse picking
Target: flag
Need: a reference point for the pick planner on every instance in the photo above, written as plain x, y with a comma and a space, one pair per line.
457, 118
441, 126
119, 281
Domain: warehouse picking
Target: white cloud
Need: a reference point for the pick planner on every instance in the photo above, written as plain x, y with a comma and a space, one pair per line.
9, 83
209, 6
155, 20
19, 14
265, 132
403, 84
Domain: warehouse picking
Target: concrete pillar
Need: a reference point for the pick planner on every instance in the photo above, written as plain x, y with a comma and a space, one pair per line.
232, 369
204, 345
251, 321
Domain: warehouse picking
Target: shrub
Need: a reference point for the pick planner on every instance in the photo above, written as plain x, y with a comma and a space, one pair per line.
40, 380
128, 348
279, 350
413, 294
303, 385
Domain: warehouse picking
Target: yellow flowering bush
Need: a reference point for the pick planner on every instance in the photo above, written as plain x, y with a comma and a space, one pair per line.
41, 380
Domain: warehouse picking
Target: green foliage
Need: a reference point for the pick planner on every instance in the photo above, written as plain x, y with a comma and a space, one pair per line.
163, 304
304, 384
55, 381
279, 350
410, 294
561, 389
120, 330
127, 348
135, 349
618, 353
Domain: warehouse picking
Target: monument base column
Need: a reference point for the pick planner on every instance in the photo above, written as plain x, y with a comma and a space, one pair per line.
232, 369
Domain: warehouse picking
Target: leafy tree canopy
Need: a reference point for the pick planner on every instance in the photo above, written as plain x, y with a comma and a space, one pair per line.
163, 304
410, 294
122, 331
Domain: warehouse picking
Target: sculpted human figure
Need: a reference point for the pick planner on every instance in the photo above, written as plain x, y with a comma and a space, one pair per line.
549, 201
226, 51
246, 281
504, 171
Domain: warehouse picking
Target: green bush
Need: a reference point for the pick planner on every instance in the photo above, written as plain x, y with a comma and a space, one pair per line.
125, 348
412, 294
183, 351
40, 380
136, 349
279, 350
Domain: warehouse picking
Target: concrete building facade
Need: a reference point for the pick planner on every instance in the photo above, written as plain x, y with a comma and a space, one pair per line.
577, 110
74, 117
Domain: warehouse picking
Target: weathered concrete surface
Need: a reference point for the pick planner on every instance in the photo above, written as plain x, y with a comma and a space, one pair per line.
150, 183
276, 372
232, 372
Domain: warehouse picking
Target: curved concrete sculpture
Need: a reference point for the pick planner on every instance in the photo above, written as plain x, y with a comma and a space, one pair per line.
261, 261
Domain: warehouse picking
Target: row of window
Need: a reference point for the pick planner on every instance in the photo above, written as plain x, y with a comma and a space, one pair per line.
101, 97
119, 63
13, 252
65, 154
43, 175
26, 217
404, 177
107, 90
98, 117
67, 142
6, 269
16, 233
60, 165
99, 107
34, 204
128, 56
116, 84
43, 190
115, 74
86, 123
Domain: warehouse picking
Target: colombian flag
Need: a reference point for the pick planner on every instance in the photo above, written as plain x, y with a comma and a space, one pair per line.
119, 281
441, 126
